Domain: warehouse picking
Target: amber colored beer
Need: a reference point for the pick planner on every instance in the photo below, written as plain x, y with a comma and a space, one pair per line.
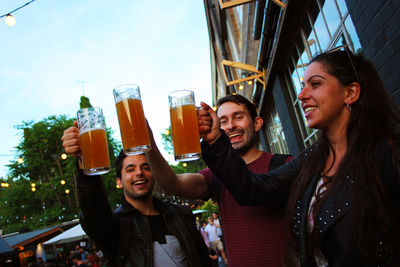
132, 124
94, 150
185, 132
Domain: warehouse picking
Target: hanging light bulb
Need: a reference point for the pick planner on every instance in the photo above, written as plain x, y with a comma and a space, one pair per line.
10, 20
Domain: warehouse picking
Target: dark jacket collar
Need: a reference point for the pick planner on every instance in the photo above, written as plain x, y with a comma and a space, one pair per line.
126, 207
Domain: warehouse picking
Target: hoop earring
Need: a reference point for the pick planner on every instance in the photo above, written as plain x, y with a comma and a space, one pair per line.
348, 106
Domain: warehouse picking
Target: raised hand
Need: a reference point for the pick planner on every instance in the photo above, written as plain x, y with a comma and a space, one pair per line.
209, 124
70, 140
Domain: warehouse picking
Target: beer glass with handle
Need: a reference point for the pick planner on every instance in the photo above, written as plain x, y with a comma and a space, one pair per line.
184, 127
132, 123
93, 141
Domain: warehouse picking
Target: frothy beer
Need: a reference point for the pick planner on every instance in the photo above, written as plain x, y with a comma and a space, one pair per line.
94, 149
132, 123
185, 130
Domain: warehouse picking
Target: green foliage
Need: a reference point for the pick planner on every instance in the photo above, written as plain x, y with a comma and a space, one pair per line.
189, 166
41, 147
211, 207
167, 141
85, 102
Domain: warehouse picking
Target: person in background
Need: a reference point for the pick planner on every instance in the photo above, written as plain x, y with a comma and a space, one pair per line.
93, 259
218, 224
77, 260
204, 234
84, 255
342, 194
253, 236
215, 241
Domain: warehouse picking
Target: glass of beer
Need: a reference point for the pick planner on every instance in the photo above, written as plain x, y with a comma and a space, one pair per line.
93, 140
184, 127
132, 123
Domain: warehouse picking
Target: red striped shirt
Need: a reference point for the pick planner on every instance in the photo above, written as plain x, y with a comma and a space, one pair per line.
253, 236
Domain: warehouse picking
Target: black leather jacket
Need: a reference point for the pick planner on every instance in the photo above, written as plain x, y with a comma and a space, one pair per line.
334, 223
124, 235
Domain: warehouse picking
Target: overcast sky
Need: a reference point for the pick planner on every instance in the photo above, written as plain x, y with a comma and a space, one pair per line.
160, 45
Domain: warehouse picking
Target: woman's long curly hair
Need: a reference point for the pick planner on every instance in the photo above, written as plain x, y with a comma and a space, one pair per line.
372, 118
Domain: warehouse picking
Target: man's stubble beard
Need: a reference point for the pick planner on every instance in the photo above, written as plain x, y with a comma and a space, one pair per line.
135, 196
246, 147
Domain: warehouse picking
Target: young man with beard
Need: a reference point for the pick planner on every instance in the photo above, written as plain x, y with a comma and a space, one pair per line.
253, 236
143, 231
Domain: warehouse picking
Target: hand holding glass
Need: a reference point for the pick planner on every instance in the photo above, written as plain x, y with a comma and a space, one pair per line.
93, 141
184, 127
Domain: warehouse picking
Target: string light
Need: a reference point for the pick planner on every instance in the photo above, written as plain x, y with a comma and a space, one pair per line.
20, 160
64, 156
184, 164
241, 87
67, 191
250, 82
166, 131
9, 19
62, 182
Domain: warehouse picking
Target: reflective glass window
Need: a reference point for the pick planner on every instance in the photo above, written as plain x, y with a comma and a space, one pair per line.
313, 44
355, 42
321, 31
275, 135
331, 15
342, 7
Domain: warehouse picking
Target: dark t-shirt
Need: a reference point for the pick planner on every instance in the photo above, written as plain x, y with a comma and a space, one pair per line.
254, 236
157, 228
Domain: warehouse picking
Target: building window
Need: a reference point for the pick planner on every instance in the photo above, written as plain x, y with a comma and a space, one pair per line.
275, 135
333, 27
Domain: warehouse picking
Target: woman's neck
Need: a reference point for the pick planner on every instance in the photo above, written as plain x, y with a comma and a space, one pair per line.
338, 142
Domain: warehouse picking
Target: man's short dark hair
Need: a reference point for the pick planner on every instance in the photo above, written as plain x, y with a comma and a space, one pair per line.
119, 162
239, 99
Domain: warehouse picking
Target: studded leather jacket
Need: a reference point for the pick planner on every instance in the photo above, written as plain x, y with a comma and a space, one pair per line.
124, 235
333, 223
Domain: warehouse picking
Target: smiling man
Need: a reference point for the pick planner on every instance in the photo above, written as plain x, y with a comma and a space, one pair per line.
253, 236
143, 231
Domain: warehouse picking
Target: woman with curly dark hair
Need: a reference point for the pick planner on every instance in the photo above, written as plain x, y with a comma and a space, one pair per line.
342, 194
